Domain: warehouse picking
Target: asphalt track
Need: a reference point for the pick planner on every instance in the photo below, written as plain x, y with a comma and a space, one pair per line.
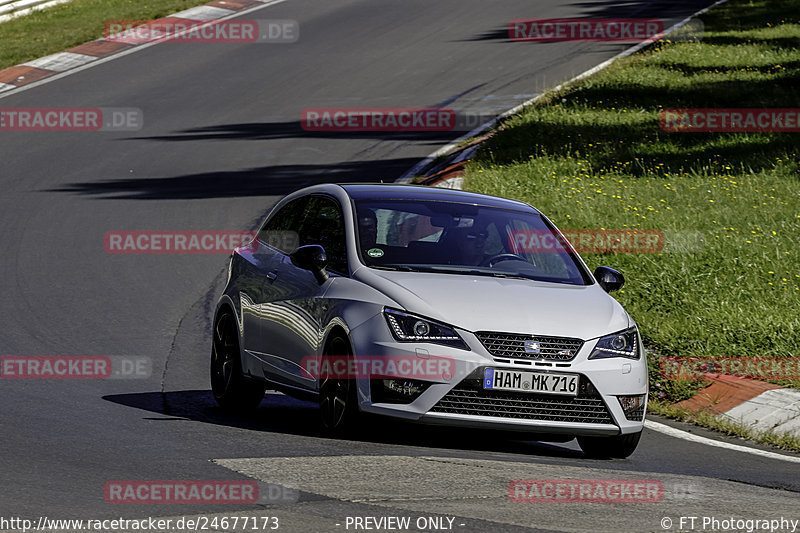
221, 142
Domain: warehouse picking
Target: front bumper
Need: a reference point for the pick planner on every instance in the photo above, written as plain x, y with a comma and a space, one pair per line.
459, 399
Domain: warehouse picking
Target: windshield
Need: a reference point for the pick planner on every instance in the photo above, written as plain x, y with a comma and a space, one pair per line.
434, 236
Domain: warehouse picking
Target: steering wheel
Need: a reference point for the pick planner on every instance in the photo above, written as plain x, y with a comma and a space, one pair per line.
490, 262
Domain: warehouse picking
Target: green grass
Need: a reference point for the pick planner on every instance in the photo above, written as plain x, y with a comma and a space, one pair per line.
60, 27
593, 156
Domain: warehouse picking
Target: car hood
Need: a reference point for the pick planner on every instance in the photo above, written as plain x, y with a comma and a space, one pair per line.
483, 303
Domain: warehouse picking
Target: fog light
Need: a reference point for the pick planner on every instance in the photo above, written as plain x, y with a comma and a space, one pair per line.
397, 390
633, 407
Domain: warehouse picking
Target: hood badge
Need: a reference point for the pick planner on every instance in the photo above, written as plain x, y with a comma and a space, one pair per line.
532, 347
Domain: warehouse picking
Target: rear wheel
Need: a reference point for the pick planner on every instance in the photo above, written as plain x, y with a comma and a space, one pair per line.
232, 390
338, 397
617, 447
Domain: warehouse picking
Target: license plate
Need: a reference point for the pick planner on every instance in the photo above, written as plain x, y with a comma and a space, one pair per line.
541, 382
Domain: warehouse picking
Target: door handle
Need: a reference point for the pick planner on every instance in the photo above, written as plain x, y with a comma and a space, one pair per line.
272, 276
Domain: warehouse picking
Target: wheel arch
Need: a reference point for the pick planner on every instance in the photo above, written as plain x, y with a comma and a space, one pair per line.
337, 328
225, 303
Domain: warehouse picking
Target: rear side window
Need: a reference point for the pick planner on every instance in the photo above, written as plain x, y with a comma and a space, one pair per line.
280, 231
323, 224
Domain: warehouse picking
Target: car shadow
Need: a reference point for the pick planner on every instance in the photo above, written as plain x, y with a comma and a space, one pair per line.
279, 413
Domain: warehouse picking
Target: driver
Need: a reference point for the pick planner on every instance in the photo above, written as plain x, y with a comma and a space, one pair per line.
470, 243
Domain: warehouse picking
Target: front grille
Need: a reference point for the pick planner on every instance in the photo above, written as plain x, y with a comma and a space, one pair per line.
513, 345
469, 398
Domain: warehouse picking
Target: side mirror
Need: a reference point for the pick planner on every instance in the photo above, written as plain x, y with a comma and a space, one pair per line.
311, 257
611, 280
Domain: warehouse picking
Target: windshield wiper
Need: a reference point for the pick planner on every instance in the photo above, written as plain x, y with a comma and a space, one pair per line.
507, 275
402, 268
512, 276
458, 270
444, 269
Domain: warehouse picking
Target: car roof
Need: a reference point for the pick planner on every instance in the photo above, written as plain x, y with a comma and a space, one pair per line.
392, 191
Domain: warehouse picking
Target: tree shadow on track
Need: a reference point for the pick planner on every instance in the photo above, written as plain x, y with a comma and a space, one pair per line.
282, 414
642, 8
639, 9
259, 131
263, 181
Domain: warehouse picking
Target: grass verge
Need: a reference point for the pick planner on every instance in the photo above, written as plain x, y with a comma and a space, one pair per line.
66, 25
593, 156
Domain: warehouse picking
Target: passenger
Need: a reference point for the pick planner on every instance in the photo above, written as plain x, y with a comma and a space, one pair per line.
367, 229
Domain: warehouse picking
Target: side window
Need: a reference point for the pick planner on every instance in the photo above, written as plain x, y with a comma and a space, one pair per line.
281, 230
323, 224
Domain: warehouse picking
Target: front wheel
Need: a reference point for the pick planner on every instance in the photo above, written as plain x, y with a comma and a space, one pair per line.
338, 397
617, 447
232, 390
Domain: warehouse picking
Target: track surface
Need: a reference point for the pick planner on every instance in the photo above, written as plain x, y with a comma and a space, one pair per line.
221, 143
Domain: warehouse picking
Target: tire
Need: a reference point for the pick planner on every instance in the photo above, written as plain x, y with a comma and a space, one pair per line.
232, 390
338, 399
618, 447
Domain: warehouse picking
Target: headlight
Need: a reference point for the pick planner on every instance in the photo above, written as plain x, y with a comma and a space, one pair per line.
620, 344
412, 328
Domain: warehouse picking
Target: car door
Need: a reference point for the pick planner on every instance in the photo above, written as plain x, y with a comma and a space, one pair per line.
275, 239
296, 309
251, 270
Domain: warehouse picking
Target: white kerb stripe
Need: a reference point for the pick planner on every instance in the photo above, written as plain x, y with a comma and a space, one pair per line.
776, 410
677, 433
203, 13
114, 57
61, 61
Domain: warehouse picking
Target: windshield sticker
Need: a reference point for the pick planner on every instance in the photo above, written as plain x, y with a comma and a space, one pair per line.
375, 252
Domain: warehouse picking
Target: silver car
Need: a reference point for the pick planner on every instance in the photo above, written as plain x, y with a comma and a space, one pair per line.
430, 305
